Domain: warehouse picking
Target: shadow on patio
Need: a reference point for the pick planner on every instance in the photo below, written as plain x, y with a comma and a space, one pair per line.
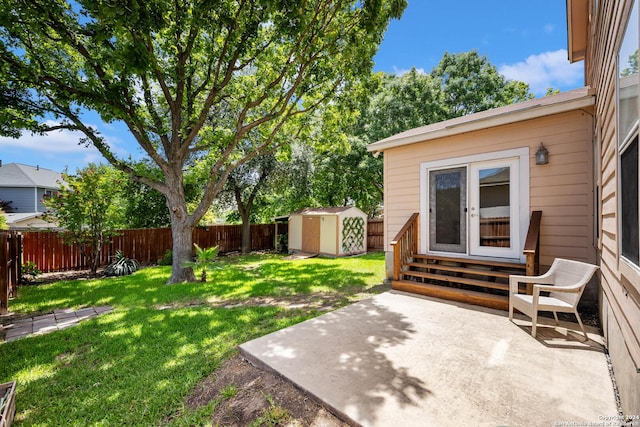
408, 360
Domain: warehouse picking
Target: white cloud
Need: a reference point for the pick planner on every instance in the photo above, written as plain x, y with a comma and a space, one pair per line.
58, 142
402, 71
549, 28
548, 69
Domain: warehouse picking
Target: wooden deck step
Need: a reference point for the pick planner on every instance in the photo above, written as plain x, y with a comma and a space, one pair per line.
457, 269
456, 279
498, 302
471, 261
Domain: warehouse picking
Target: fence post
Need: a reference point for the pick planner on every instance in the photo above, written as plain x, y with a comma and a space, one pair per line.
15, 255
4, 273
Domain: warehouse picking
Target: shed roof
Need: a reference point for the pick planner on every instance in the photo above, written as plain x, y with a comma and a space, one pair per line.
19, 175
323, 211
527, 110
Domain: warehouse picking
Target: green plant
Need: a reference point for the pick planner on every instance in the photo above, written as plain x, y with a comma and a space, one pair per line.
30, 271
229, 391
274, 415
203, 257
167, 258
85, 207
283, 241
3, 221
121, 265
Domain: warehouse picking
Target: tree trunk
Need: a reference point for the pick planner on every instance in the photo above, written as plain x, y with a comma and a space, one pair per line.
246, 235
245, 213
181, 233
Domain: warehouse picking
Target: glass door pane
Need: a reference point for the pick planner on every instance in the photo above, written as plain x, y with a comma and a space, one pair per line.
447, 210
494, 209
494, 213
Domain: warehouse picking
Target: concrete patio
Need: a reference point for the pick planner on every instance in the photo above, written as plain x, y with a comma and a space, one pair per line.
405, 360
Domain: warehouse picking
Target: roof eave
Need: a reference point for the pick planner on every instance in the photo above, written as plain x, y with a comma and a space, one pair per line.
528, 113
577, 28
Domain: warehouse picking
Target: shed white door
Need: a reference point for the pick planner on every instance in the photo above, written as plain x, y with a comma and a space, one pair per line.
311, 234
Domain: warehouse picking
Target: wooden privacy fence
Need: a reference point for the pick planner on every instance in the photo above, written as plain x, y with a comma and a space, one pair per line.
375, 235
10, 267
48, 250
50, 253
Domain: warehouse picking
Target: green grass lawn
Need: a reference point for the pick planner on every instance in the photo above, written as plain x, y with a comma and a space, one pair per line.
135, 365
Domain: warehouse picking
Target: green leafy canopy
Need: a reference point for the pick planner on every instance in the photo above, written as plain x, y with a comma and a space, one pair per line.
190, 79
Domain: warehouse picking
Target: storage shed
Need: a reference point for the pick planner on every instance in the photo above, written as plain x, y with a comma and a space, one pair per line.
334, 231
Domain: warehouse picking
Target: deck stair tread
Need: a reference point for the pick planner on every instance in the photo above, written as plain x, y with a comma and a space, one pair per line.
469, 280
456, 279
458, 269
471, 261
499, 302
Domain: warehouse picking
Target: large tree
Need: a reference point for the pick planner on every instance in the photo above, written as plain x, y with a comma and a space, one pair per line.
245, 186
470, 83
460, 84
189, 78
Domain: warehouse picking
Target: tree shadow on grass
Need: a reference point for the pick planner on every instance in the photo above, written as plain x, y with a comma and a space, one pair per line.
126, 367
253, 276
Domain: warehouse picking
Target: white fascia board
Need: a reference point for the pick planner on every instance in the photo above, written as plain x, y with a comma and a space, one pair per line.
499, 119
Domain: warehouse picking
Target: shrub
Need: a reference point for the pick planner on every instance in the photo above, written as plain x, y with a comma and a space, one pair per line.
30, 271
167, 258
202, 259
121, 265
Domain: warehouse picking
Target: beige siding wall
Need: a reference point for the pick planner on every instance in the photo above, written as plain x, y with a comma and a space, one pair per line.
561, 189
620, 307
295, 232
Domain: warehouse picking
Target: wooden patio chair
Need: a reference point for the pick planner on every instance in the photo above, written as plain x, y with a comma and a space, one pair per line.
565, 281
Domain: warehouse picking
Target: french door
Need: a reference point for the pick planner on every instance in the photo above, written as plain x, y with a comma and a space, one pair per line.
474, 209
494, 215
448, 210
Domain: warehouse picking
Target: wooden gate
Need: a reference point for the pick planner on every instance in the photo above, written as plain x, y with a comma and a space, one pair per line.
10, 267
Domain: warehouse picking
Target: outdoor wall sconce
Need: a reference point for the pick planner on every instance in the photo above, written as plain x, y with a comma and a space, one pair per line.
542, 155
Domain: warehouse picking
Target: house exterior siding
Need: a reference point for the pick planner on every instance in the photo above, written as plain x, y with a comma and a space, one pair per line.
620, 292
562, 189
22, 199
25, 199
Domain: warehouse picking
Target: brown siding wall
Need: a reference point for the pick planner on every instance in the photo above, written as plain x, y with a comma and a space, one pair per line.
620, 297
561, 189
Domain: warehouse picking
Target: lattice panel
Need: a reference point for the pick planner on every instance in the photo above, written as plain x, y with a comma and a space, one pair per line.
353, 234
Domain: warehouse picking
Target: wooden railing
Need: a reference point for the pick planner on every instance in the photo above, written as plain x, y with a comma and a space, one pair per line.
10, 267
405, 244
532, 247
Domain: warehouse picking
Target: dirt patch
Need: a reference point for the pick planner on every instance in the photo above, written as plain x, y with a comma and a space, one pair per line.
251, 396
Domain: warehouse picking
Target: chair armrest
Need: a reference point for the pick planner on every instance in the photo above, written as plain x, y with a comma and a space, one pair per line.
568, 289
546, 279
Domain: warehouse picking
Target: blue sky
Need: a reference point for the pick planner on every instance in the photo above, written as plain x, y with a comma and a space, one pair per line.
526, 41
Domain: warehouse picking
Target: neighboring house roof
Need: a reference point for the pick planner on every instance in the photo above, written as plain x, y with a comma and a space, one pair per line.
499, 176
13, 218
322, 211
19, 175
527, 110
28, 220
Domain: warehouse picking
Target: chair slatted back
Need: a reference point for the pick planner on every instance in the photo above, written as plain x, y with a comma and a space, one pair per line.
569, 273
